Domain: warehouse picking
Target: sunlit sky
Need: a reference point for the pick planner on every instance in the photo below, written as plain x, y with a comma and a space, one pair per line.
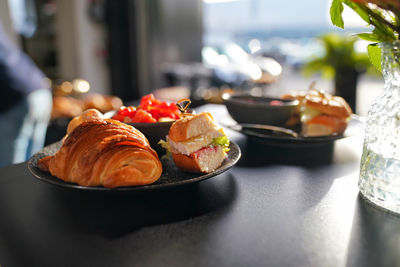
268, 14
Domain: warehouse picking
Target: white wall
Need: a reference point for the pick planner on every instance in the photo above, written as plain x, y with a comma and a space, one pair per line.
80, 43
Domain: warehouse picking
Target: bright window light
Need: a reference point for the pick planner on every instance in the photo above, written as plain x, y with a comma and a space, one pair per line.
218, 1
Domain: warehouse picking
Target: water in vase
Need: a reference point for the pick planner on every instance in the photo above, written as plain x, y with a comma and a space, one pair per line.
380, 163
380, 183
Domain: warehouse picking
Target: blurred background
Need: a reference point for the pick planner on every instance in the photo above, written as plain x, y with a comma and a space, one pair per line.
105, 53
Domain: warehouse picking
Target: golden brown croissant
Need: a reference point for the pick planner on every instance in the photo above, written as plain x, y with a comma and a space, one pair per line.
104, 152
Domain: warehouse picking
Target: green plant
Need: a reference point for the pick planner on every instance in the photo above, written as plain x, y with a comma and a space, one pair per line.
341, 61
339, 54
383, 15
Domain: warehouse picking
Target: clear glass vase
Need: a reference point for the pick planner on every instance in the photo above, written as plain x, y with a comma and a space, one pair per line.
379, 180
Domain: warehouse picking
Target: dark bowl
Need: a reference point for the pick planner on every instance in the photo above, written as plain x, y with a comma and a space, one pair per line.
154, 131
245, 108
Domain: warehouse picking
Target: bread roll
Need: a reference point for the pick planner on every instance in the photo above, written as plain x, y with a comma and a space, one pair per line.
66, 107
320, 113
101, 102
324, 125
191, 126
334, 106
192, 143
87, 115
333, 116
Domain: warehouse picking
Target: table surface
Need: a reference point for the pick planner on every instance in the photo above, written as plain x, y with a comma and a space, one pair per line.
278, 206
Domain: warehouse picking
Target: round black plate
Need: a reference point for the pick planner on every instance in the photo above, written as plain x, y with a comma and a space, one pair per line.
355, 127
171, 176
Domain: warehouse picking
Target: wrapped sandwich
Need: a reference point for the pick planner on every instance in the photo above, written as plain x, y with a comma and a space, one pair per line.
196, 143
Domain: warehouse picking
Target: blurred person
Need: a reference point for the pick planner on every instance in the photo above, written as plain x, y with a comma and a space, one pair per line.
25, 104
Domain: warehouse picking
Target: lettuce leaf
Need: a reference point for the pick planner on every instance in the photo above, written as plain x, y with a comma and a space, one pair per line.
166, 146
218, 141
222, 141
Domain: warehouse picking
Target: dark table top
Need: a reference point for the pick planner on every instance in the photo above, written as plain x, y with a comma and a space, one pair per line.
268, 210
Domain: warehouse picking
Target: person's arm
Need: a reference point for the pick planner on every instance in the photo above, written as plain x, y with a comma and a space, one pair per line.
19, 76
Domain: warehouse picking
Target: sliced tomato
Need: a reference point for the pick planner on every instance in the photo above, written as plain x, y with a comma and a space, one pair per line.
143, 116
149, 110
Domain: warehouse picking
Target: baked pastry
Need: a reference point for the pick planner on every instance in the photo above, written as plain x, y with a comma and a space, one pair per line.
87, 115
321, 113
66, 107
103, 152
196, 143
103, 103
70, 107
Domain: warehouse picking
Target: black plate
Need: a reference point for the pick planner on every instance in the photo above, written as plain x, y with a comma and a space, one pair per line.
355, 127
171, 176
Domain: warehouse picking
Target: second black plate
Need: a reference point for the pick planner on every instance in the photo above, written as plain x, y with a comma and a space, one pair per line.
355, 127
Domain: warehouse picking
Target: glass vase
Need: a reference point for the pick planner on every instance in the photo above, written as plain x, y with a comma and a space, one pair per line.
379, 180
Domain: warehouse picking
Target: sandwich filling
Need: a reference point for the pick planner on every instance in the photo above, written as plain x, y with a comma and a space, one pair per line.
193, 144
308, 113
209, 158
317, 123
214, 138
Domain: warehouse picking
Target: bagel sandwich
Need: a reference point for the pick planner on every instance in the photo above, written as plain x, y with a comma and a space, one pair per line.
321, 113
196, 143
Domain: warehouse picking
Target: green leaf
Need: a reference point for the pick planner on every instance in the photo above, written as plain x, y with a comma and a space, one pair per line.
365, 12
372, 37
381, 29
222, 141
166, 146
336, 11
375, 54
383, 36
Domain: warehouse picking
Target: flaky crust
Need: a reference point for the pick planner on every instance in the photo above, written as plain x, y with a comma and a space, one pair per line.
104, 152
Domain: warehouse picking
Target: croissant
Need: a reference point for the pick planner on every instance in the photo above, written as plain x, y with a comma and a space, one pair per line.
104, 152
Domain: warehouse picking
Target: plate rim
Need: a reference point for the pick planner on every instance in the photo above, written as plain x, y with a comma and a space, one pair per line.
301, 140
35, 171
